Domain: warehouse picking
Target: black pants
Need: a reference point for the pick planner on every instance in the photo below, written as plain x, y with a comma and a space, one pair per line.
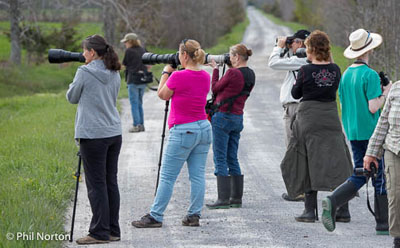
100, 161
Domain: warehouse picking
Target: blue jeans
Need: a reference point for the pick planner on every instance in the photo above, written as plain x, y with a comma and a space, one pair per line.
359, 148
188, 142
135, 92
226, 134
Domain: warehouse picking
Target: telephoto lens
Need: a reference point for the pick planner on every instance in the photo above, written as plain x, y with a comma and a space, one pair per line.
219, 59
152, 59
58, 56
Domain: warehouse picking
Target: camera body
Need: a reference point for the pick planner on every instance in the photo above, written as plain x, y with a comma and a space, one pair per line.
57, 56
366, 173
301, 52
384, 78
173, 59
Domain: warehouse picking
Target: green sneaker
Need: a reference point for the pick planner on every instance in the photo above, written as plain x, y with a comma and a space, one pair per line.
327, 219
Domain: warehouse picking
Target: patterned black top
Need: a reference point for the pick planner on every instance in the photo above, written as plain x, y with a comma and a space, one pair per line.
317, 83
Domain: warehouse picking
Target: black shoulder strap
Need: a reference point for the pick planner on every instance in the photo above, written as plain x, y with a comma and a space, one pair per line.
294, 75
248, 85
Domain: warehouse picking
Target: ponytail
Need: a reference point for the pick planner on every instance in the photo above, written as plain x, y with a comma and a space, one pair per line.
111, 60
193, 49
105, 51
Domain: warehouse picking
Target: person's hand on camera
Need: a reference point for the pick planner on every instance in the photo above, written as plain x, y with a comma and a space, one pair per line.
281, 41
368, 160
386, 89
168, 68
214, 64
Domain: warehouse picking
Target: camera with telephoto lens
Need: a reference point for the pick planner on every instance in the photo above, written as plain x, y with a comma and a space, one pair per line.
384, 78
58, 56
364, 172
173, 59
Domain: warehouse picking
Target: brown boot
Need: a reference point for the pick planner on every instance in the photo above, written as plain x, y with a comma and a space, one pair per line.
88, 240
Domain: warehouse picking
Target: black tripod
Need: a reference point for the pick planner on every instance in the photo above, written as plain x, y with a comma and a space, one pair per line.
77, 175
162, 143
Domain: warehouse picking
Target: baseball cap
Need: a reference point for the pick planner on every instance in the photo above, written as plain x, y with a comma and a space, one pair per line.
129, 36
301, 34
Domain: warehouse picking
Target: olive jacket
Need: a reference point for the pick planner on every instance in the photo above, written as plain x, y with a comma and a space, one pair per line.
318, 157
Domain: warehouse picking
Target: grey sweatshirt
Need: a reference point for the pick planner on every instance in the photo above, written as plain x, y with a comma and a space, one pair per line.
95, 90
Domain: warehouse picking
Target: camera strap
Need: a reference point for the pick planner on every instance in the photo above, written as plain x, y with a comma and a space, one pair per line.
368, 201
248, 85
359, 62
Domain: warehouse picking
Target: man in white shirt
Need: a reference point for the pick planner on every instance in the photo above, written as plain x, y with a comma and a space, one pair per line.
283, 57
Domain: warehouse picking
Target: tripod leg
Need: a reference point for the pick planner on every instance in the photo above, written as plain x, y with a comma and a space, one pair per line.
162, 144
77, 174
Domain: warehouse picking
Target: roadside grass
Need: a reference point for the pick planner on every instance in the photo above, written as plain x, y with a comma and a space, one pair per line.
37, 163
38, 154
232, 38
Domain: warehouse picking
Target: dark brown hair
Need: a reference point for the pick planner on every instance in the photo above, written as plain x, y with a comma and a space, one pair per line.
318, 44
241, 50
104, 50
193, 49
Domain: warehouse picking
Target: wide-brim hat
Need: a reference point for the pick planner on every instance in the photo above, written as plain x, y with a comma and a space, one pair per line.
129, 36
361, 41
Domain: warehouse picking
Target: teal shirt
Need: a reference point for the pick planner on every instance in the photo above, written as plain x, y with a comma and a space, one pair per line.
357, 86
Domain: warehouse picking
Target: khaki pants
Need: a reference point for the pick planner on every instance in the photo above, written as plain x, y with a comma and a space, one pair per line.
392, 172
290, 109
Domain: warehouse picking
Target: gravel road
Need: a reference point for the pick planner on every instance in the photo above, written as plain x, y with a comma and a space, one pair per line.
265, 219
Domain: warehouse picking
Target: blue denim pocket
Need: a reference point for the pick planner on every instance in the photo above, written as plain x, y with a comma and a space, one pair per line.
188, 139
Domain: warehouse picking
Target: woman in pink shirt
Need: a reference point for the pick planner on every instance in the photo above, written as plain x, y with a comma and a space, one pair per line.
189, 136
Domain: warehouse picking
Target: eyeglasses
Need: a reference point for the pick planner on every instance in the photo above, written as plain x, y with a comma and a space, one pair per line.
297, 41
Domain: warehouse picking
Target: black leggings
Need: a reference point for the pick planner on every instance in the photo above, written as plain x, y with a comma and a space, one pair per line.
100, 161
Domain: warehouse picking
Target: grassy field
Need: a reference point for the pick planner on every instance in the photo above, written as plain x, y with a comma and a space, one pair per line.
38, 153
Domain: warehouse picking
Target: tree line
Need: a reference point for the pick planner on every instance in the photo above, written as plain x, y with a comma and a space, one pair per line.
162, 23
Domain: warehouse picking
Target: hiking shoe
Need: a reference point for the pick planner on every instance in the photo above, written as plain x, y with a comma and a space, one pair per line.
192, 220
89, 240
286, 197
146, 221
114, 238
134, 129
141, 128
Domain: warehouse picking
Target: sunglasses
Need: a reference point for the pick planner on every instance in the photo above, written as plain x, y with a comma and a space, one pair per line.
183, 42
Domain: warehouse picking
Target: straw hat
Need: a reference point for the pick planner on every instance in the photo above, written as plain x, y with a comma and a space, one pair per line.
361, 41
129, 36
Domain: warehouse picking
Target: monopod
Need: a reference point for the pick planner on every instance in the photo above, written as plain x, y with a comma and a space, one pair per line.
162, 144
77, 175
